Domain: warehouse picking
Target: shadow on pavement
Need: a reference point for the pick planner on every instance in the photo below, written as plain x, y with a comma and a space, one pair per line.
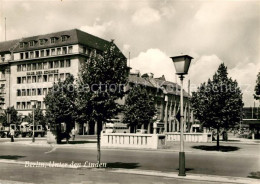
123, 165
186, 169
78, 142
12, 157
255, 175
214, 148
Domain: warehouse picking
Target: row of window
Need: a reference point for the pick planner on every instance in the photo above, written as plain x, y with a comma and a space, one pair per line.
43, 41
42, 78
46, 52
33, 92
44, 65
27, 105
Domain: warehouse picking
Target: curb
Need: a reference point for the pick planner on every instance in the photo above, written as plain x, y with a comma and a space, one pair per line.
193, 177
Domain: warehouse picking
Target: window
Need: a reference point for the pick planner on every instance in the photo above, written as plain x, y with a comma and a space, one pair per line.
45, 78
31, 43
23, 92
50, 78
23, 105
53, 39
42, 41
19, 68
56, 64
67, 75
44, 91
47, 52
70, 49
56, 77
29, 67
37, 54
39, 104
59, 51
19, 80
39, 79
50, 64
62, 63
2, 75
42, 53
34, 66
33, 92
24, 67
64, 38
26, 55
29, 92
31, 55
29, 79
18, 105
45, 65
62, 77
39, 91
28, 105
21, 55
49, 90
52, 52
18, 92
21, 45
64, 50
23, 80
39, 66
33, 79
68, 63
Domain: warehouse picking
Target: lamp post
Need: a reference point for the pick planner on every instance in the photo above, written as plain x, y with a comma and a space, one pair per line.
182, 64
33, 103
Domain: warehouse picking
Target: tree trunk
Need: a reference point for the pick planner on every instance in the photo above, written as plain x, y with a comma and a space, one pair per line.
217, 138
99, 125
58, 136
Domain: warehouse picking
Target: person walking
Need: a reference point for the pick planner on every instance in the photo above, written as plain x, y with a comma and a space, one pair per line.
12, 135
73, 132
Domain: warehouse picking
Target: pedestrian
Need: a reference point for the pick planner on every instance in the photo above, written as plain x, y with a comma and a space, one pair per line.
12, 135
73, 132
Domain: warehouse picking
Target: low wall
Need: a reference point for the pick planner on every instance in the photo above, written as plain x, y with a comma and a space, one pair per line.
130, 140
189, 137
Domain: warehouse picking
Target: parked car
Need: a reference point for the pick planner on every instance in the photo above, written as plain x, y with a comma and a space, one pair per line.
141, 131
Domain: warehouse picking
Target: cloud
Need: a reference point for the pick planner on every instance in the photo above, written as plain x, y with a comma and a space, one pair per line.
154, 61
145, 16
97, 29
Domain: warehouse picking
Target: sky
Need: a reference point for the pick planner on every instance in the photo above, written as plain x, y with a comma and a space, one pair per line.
152, 31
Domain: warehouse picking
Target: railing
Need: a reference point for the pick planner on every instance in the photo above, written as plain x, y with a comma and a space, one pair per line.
189, 137
130, 140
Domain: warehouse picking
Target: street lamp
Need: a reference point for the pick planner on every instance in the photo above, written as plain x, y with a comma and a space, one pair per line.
33, 104
182, 64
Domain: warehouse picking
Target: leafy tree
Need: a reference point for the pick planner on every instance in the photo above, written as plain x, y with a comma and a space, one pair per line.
139, 108
218, 103
60, 106
14, 117
257, 88
99, 86
39, 118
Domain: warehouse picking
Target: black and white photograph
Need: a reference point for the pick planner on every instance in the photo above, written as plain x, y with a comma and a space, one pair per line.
129, 91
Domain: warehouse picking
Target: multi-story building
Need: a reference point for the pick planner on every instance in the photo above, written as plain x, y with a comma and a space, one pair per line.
29, 67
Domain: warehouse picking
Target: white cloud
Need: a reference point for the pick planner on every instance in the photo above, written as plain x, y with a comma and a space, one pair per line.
154, 61
97, 29
145, 16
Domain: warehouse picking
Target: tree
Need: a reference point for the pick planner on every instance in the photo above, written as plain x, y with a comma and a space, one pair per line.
60, 106
100, 83
2, 100
11, 116
139, 108
218, 103
39, 118
257, 88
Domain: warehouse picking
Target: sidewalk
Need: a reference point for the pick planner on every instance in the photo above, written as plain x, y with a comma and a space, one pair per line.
132, 173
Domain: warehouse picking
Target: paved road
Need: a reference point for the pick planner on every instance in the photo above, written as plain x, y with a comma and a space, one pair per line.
237, 163
14, 174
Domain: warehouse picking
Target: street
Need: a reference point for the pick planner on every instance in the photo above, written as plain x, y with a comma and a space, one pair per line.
237, 163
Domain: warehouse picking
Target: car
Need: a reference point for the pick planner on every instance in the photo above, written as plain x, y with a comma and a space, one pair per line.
141, 131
